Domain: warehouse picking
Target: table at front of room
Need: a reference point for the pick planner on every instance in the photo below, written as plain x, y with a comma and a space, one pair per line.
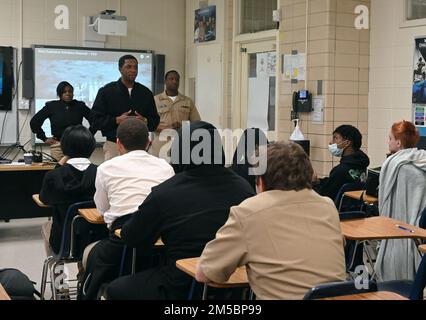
17, 185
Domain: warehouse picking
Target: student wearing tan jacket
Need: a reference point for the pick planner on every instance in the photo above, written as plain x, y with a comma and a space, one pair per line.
287, 236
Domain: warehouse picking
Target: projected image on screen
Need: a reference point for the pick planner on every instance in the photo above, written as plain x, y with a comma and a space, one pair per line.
86, 69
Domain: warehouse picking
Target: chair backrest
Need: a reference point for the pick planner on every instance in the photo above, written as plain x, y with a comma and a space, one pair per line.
419, 284
336, 289
67, 236
348, 187
350, 215
422, 221
372, 183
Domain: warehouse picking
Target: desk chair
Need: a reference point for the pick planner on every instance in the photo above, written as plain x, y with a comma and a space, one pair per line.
408, 288
344, 202
69, 251
354, 250
336, 289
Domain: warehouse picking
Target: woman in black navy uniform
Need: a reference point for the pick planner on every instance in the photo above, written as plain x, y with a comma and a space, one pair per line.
62, 113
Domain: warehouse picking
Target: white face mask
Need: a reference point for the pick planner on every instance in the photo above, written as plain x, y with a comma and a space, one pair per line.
334, 150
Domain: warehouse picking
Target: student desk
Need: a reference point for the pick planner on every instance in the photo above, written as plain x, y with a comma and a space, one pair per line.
379, 228
18, 184
360, 195
36, 198
237, 279
92, 215
378, 295
3, 294
159, 242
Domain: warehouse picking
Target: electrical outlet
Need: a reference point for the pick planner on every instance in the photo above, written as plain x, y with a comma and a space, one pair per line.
24, 104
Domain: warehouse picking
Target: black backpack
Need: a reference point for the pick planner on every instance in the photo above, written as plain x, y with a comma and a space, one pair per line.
17, 285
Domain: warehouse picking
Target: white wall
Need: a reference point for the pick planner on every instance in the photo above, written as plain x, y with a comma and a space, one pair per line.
391, 67
158, 25
206, 59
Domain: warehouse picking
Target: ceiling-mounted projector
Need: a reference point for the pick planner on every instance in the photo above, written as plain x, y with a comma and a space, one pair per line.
108, 24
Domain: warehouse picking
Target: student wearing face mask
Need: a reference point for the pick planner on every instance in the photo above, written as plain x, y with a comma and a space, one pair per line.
347, 141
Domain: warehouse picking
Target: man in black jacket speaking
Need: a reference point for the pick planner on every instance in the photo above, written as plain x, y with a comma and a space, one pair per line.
117, 101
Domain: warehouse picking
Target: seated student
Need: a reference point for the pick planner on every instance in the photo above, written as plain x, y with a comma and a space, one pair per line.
287, 236
73, 181
122, 184
347, 141
242, 162
185, 211
402, 191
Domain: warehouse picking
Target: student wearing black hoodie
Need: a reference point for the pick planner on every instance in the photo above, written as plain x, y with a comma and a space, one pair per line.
71, 182
347, 141
185, 211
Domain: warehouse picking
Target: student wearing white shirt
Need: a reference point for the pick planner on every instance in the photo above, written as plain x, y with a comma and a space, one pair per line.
122, 184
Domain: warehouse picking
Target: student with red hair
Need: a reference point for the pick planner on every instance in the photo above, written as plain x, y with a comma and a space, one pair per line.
402, 197
403, 135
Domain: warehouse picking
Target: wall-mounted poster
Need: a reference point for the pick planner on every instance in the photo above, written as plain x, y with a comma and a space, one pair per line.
205, 24
419, 89
419, 72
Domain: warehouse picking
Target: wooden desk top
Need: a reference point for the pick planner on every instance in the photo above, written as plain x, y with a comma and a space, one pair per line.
378, 295
357, 195
237, 279
422, 248
33, 167
92, 215
3, 294
379, 228
159, 242
36, 198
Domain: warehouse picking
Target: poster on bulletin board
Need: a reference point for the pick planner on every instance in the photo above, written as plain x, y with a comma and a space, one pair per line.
419, 85
205, 24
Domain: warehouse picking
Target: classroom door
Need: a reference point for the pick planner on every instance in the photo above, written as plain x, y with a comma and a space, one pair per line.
258, 86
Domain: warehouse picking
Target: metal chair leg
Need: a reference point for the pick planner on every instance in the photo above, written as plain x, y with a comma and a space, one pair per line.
44, 277
205, 292
133, 261
370, 262
192, 290
353, 255
53, 280
251, 296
